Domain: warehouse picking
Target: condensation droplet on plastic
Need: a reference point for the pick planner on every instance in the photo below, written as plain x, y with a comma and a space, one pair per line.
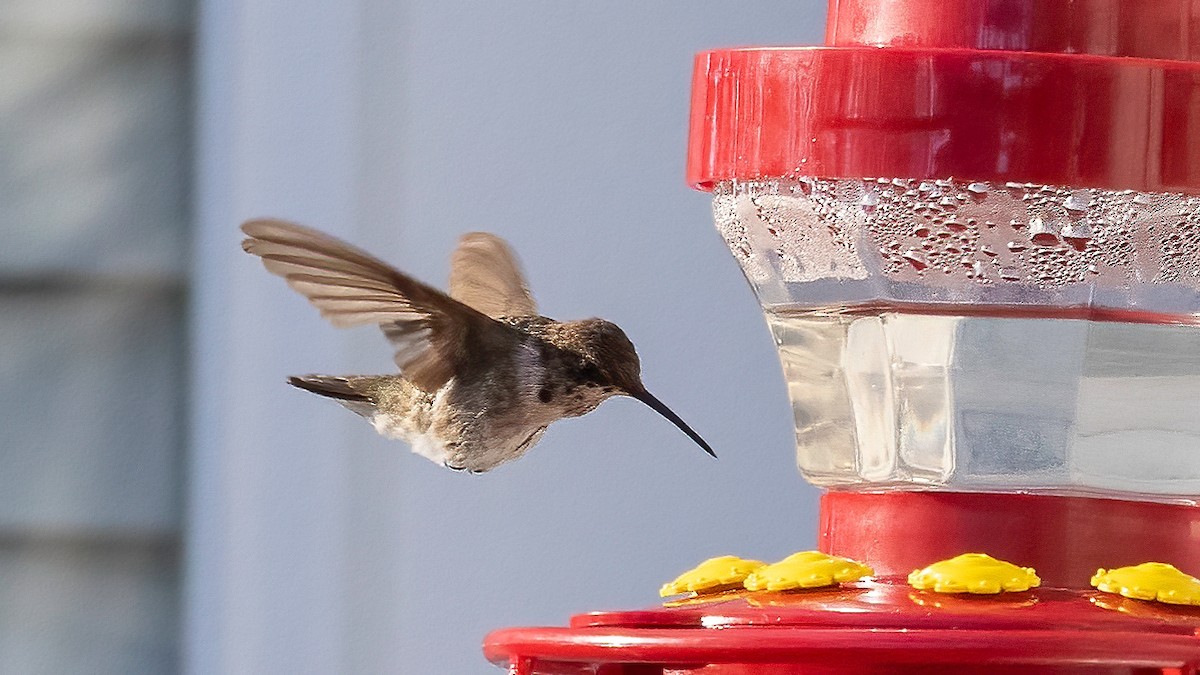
1080, 230
978, 188
1078, 200
915, 259
1077, 235
1041, 233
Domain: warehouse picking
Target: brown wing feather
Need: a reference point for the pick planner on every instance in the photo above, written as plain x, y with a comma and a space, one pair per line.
485, 274
432, 334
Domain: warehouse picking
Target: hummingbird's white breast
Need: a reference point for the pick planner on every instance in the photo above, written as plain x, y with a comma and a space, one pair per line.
414, 427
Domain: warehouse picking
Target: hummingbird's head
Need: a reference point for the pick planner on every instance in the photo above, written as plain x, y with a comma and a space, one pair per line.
609, 358
611, 362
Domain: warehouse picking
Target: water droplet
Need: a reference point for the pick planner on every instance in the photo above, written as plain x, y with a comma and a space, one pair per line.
869, 201
1041, 232
1080, 230
978, 188
921, 231
1016, 246
989, 251
1078, 200
1010, 273
1141, 198
914, 258
955, 226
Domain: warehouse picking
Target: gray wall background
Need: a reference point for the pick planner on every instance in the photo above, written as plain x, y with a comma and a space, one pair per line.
562, 127
168, 504
95, 137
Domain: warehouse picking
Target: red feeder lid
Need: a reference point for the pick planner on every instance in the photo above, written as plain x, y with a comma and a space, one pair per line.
870, 627
1097, 93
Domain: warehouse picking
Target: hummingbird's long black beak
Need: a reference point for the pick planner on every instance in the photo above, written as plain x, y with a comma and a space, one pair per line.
662, 409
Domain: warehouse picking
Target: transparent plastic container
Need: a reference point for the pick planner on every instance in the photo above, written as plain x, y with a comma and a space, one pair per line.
980, 336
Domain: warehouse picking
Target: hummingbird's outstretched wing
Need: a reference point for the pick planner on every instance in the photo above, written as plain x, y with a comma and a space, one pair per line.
485, 274
432, 333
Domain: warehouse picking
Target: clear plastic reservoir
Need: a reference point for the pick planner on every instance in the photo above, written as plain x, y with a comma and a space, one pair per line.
977, 336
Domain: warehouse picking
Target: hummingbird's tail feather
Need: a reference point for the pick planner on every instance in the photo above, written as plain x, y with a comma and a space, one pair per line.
330, 386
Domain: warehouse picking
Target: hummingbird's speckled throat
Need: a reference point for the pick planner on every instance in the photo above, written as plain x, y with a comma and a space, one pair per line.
481, 373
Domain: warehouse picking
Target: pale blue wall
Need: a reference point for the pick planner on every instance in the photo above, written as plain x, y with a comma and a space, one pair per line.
562, 127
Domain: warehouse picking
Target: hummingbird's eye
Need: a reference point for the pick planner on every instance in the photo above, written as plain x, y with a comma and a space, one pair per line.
590, 373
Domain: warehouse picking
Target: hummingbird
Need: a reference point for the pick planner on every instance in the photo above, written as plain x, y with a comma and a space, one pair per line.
481, 373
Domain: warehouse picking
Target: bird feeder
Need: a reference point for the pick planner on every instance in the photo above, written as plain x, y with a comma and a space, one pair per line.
974, 230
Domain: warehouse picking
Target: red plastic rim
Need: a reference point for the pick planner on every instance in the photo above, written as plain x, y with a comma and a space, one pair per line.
1055, 119
866, 627
1066, 539
1090, 93
1159, 29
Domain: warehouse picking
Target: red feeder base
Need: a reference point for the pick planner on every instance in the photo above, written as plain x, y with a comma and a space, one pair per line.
885, 626
1064, 538
870, 627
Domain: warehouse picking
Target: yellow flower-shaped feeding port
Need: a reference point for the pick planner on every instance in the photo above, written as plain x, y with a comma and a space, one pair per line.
1150, 581
807, 569
712, 576
973, 573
